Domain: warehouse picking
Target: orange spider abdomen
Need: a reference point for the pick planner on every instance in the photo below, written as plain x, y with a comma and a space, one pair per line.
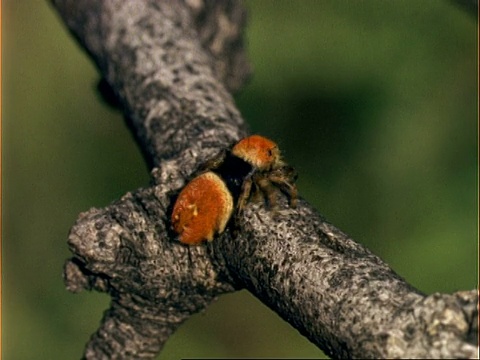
202, 209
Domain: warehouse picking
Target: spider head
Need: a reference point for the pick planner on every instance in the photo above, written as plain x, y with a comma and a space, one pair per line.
258, 151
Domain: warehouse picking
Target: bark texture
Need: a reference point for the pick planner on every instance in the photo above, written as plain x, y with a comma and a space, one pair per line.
173, 65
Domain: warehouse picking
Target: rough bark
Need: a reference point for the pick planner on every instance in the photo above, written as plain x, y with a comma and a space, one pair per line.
172, 65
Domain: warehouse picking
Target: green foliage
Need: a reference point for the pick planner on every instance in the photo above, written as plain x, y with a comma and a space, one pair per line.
374, 103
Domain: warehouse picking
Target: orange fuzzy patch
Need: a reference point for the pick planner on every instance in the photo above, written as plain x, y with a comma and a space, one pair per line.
258, 151
202, 209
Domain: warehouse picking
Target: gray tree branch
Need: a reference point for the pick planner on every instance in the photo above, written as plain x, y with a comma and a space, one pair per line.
173, 65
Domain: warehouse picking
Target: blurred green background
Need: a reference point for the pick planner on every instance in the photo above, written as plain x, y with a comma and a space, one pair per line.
374, 103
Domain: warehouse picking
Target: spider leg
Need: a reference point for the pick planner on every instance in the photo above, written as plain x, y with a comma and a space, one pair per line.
287, 186
256, 195
268, 190
244, 195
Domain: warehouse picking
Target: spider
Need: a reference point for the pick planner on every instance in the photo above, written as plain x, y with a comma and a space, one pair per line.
251, 169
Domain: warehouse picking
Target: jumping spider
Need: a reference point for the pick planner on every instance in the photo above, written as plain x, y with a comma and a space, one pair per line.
252, 168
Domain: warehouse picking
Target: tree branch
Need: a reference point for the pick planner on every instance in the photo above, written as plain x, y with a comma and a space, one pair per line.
172, 65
